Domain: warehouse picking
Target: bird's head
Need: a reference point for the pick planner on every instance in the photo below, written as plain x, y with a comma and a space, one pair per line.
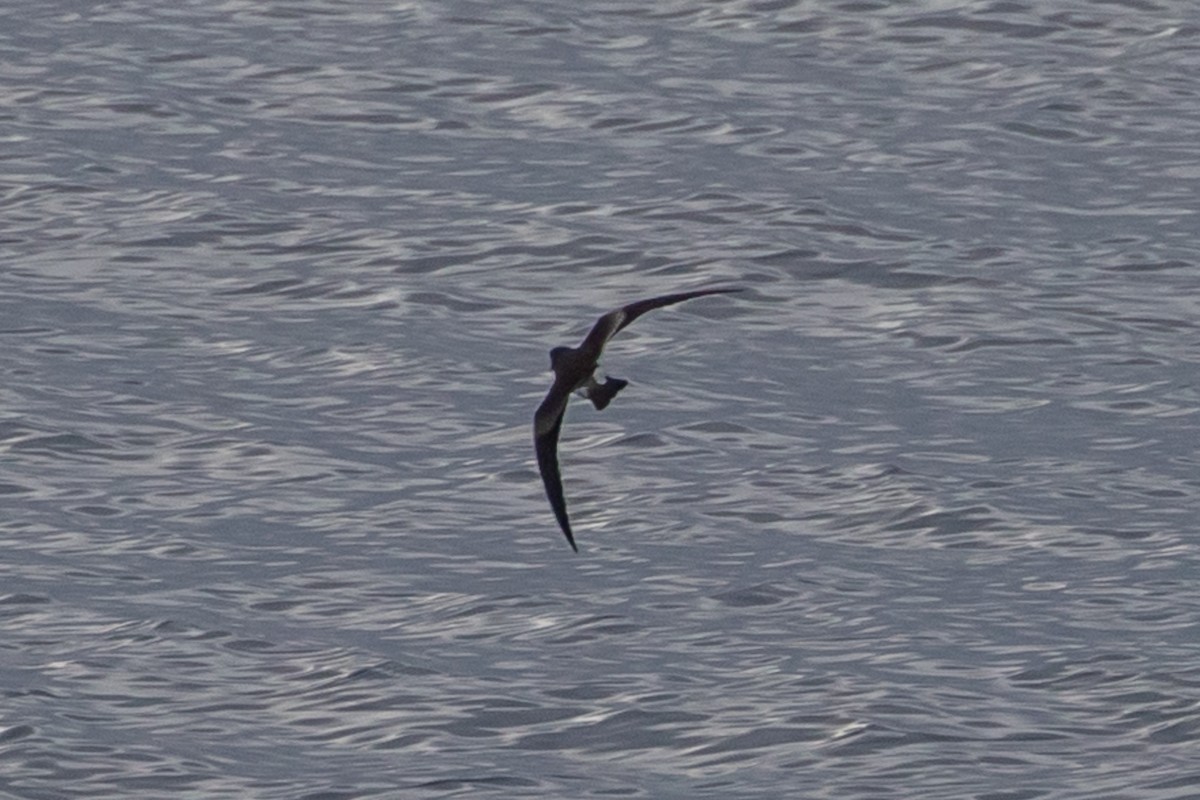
558, 355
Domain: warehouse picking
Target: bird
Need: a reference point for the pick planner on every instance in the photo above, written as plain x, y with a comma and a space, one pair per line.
575, 370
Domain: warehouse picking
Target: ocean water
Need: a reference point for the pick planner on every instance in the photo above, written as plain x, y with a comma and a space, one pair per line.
917, 514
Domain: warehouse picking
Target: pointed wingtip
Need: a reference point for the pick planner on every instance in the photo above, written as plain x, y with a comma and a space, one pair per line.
567, 532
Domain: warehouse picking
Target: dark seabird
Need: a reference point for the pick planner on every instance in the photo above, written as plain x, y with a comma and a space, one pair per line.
574, 371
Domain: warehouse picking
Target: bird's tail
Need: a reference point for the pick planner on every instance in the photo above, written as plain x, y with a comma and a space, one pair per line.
602, 394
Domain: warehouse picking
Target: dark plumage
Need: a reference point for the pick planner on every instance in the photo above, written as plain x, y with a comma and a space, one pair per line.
574, 369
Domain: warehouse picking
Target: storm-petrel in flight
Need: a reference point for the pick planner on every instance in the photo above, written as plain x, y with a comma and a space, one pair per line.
574, 370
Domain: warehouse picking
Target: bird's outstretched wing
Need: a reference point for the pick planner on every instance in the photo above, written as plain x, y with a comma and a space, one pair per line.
547, 422
577, 365
614, 321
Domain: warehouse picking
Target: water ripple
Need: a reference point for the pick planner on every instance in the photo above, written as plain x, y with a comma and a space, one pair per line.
916, 509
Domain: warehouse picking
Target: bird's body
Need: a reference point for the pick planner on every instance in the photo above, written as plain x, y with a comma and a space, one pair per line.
575, 371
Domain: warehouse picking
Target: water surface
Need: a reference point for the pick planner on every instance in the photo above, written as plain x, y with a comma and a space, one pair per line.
914, 515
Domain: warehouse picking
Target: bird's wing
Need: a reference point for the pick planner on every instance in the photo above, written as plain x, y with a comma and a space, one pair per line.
547, 422
611, 323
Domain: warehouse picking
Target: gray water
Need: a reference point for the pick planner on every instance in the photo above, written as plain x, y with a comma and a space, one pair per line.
915, 515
